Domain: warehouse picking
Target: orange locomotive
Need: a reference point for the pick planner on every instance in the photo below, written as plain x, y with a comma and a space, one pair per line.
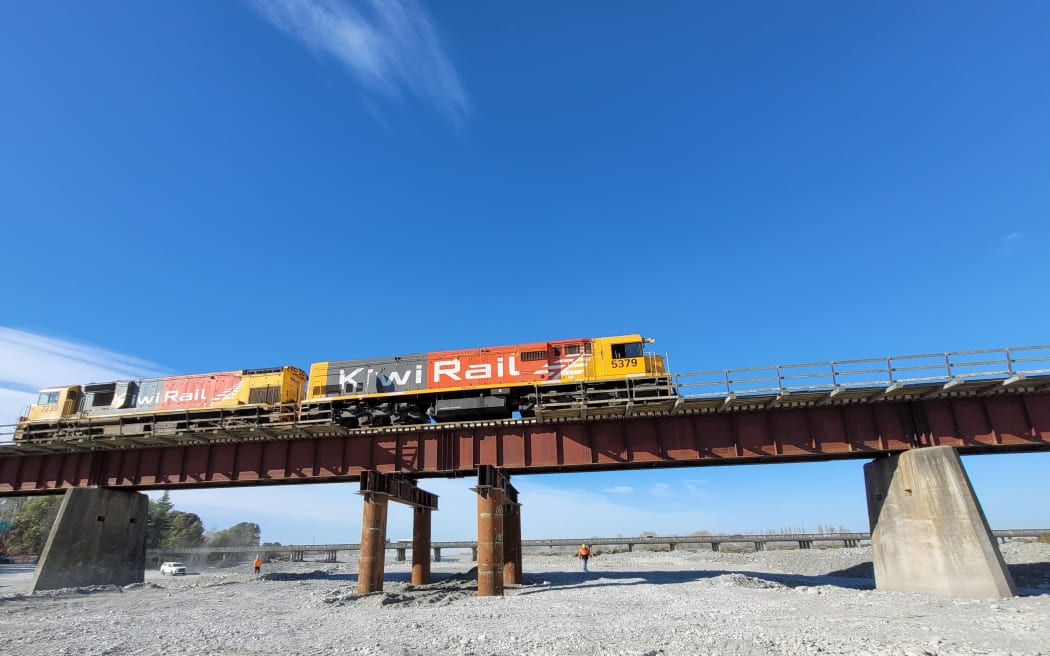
486, 383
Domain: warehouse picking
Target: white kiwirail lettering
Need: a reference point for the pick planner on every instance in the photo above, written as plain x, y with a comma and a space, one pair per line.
448, 368
344, 378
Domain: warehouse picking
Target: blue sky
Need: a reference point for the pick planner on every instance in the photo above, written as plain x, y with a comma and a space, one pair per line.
199, 186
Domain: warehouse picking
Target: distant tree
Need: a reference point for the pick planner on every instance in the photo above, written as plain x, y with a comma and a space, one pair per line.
159, 521
269, 555
184, 530
245, 534
9, 507
32, 525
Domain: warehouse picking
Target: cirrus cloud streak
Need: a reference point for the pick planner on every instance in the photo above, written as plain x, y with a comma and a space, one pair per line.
387, 45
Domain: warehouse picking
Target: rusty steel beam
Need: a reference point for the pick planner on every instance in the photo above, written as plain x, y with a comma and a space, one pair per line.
512, 544
490, 541
972, 424
373, 544
421, 546
377, 489
397, 488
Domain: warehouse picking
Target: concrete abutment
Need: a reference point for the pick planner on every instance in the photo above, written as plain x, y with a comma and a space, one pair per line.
98, 538
928, 532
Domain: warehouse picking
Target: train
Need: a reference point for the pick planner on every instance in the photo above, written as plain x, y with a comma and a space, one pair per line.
491, 383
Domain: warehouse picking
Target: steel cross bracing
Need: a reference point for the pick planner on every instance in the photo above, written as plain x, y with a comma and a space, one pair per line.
975, 402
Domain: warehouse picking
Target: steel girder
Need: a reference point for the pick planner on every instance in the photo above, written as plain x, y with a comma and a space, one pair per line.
976, 424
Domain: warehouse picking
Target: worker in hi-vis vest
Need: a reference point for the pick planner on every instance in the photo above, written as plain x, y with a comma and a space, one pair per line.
583, 554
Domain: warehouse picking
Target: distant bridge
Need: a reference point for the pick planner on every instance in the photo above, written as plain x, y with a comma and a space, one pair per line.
296, 552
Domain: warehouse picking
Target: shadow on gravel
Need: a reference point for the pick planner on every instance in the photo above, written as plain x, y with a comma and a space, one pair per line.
858, 571
735, 578
1031, 575
388, 577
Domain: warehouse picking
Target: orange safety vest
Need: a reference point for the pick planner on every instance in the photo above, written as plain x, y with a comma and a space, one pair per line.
585, 551
258, 562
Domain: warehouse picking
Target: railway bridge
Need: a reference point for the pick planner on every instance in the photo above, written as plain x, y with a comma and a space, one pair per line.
910, 416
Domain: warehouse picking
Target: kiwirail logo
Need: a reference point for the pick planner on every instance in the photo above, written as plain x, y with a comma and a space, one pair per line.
29, 362
483, 371
358, 378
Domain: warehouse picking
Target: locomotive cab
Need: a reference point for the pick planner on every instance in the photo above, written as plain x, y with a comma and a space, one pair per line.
54, 403
624, 356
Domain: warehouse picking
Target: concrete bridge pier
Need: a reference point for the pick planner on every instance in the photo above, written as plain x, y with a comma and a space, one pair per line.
98, 538
928, 532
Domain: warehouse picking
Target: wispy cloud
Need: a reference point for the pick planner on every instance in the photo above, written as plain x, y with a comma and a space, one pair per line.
388, 45
619, 489
695, 488
661, 490
30, 362
1008, 245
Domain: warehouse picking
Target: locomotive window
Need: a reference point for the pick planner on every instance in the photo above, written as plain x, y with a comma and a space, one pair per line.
557, 351
102, 398
572, 349
533, 355
47, 398
633, 350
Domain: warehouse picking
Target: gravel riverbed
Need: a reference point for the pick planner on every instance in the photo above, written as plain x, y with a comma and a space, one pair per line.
818, 601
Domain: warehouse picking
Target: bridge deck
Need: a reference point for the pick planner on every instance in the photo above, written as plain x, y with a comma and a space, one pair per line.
974, 403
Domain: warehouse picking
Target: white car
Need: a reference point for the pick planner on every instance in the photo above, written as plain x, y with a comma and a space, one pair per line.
173, 568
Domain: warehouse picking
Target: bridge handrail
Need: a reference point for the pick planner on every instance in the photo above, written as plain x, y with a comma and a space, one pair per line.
950, 366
